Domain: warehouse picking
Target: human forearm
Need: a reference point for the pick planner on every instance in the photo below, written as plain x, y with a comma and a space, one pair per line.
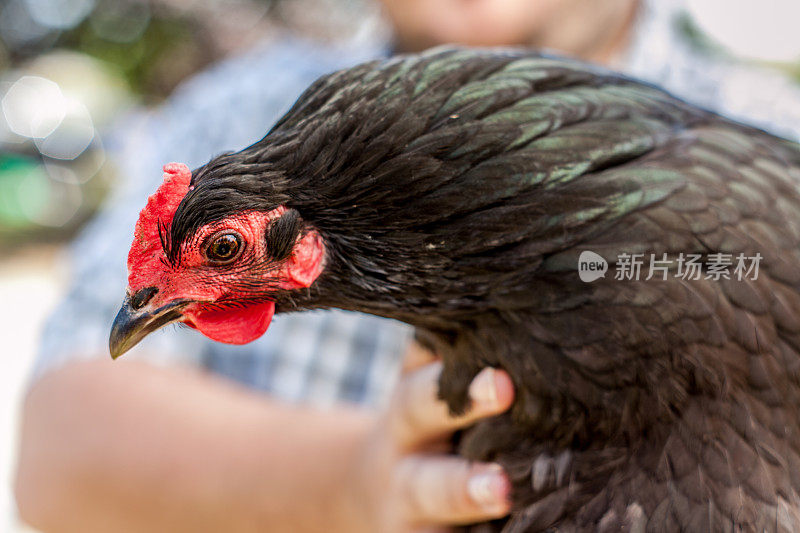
142, 448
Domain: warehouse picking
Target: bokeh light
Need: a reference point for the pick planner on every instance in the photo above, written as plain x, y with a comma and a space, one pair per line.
33, 107
59, 14
18, 27
72, 136
120, 22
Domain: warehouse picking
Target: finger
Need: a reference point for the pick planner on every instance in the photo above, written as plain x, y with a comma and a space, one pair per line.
418, 416
417, 356
450, 490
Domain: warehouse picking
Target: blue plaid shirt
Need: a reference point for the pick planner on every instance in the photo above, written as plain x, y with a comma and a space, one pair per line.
321, 357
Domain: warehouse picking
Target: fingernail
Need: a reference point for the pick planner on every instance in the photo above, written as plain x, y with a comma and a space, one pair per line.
489, 488
483, 388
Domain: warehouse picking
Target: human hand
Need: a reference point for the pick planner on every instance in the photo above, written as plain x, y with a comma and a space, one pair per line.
409, 479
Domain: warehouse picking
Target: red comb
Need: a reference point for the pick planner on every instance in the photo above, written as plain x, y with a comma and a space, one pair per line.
159, 210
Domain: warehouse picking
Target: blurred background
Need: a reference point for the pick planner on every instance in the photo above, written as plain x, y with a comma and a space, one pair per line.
70, 70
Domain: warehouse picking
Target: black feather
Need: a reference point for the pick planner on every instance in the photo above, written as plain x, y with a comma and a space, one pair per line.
282, 235
454, 190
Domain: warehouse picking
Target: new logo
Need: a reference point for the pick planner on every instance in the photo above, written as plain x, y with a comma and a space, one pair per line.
591, 266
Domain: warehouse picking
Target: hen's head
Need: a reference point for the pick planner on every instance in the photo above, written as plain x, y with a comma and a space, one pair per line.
216, 270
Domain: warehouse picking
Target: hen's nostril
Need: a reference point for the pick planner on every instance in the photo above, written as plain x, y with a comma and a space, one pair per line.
141, 297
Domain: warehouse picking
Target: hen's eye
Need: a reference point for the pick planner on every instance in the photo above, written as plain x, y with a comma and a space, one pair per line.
224, 248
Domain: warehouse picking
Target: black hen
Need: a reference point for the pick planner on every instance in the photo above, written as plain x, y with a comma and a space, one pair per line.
455, 191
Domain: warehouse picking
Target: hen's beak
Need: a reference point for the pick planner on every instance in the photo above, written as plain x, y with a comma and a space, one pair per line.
132, 325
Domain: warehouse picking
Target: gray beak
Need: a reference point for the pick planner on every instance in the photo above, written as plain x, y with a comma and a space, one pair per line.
132, 325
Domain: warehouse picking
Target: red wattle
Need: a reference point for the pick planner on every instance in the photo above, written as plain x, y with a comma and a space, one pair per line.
232, 326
